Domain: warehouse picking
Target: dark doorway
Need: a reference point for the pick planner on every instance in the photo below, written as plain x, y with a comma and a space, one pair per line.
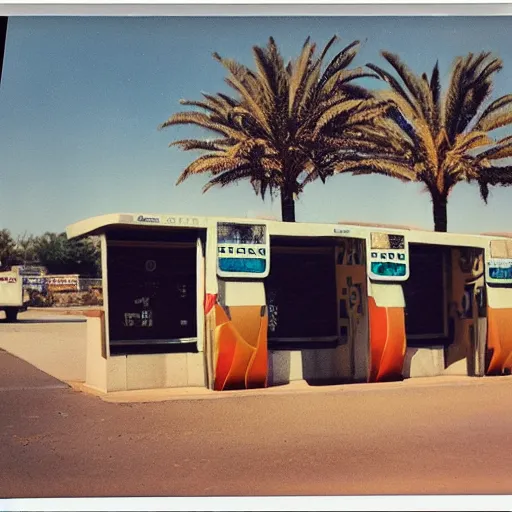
425, 295
151, 294
301, 294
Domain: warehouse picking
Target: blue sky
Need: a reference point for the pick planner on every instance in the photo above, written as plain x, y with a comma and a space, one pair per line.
81, 99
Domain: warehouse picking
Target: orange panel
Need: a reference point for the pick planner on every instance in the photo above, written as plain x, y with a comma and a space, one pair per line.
241, 347
378, 321
499, 339
221, 316
225, 345
392, 360
240, 359
387, 341
247, 320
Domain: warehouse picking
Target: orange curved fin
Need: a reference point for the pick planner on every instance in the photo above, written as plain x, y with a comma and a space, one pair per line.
499, 339
387, 341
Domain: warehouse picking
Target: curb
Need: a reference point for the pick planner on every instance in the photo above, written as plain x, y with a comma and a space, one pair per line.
82, 387
294, 388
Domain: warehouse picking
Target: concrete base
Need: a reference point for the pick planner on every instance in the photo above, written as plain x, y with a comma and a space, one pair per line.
133, 372
429, 362
311, 365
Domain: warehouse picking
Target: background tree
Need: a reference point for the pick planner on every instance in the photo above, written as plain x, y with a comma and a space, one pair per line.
8, 253
25, 246
62, 256
439, 141
284, 122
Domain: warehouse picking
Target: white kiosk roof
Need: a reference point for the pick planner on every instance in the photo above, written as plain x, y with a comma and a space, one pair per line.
100, 224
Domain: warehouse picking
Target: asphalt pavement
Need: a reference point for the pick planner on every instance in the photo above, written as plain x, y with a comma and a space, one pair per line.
58, 442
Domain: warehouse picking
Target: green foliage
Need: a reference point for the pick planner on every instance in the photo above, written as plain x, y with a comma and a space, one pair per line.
25, 246
53, 251
62, 256
8, 253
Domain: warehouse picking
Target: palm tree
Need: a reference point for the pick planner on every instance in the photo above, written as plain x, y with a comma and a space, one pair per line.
439, 141
283, 123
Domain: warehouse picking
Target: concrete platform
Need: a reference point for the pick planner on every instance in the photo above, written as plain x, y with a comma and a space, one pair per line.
293, 388
49, 340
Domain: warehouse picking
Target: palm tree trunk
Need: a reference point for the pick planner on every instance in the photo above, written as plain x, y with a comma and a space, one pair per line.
439, 207
287, 206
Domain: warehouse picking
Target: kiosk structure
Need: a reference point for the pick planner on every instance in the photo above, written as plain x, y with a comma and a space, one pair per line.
246, 303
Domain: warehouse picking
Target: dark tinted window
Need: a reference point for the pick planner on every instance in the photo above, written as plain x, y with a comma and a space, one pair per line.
425, 308
151, 293
301, 293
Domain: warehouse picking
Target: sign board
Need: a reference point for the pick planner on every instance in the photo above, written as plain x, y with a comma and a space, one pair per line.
388, 257
166, 220
243, 250
499, 262
499, 270
34, 283
62, 283
32, 271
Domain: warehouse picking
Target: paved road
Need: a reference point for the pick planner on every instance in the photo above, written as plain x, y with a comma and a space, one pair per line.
447, 439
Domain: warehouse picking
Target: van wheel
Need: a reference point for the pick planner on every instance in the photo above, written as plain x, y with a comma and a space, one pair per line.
11, 314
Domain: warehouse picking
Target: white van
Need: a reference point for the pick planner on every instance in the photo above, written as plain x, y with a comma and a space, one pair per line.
12, 299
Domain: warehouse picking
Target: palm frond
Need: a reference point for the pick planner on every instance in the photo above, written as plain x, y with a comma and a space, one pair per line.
339, 62
468, 141
237, 70
202, 105
367, 114
435, 90
201, 120
493, 122
495, 106
354, 74
229, 177
495, 175
344, 107
395, 85
374, 166
203, 145
470, 86
418, 88
497, 152
299, 75
213, 164
270, 66
492, 67
251, 100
